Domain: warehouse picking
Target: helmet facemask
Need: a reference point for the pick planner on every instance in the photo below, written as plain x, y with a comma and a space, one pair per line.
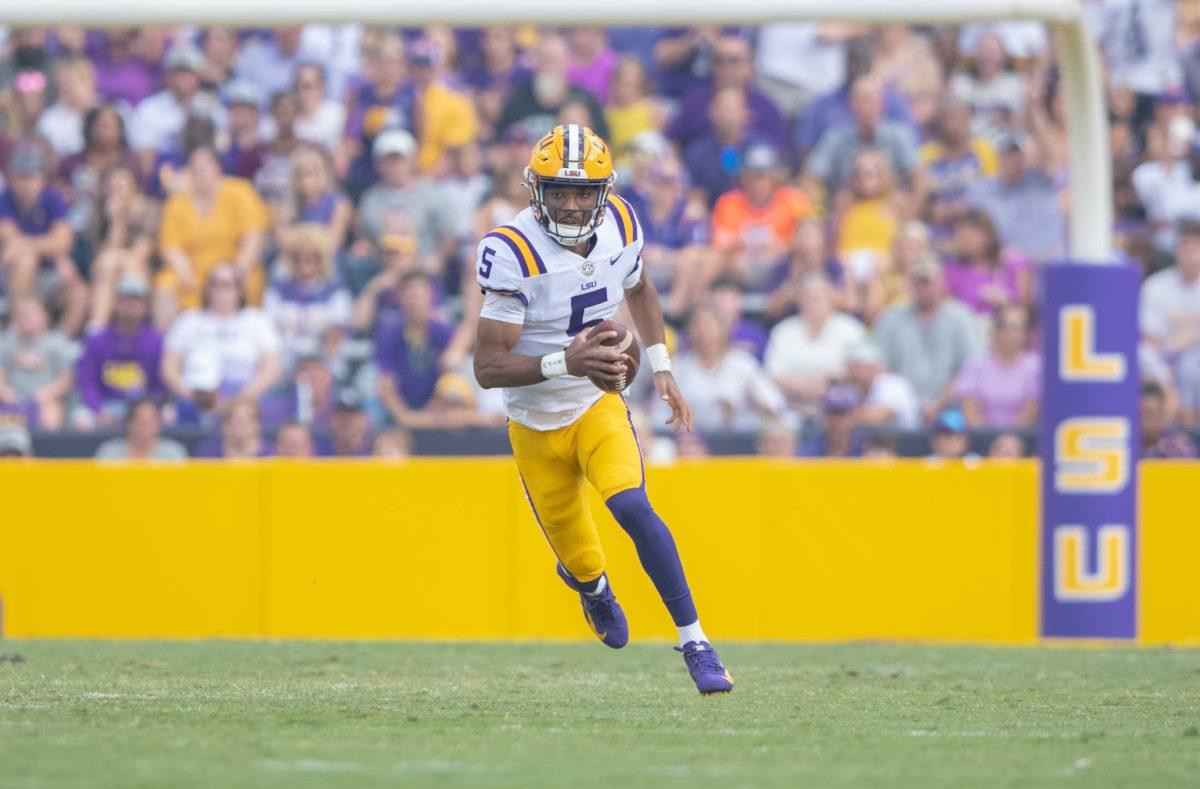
581, 223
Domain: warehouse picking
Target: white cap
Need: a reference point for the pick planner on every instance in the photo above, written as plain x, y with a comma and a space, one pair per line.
394, 141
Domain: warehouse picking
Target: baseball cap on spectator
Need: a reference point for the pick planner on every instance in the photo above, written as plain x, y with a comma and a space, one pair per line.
1012, 141
759, 157
348, 399
184, 57
243, 92
394, 142
926, 267
950, 420
133, 285
15, 441
27, 159
30, 82
840, 399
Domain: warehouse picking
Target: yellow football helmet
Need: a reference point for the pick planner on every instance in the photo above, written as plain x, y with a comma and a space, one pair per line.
570, 155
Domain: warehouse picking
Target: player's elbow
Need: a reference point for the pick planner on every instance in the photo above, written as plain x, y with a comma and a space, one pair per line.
485, 371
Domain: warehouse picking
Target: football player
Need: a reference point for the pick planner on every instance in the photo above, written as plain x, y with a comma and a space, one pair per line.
563, 265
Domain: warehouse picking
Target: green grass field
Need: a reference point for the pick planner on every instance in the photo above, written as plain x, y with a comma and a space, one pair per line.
121, 713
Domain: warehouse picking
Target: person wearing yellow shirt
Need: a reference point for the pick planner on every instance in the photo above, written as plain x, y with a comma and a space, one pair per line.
630, 110
445, 118
211, 219
867, 215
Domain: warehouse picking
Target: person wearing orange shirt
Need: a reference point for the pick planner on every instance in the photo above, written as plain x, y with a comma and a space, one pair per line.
210, 220
753, 224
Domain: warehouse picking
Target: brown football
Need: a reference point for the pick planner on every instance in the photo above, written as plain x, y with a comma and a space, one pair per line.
626, 344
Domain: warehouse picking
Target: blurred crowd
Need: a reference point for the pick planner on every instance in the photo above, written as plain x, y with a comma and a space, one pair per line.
267, 235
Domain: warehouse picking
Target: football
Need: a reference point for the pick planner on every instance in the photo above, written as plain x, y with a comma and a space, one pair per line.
626, 344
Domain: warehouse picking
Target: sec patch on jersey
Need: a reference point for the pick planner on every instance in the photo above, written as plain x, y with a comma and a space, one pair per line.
627, 344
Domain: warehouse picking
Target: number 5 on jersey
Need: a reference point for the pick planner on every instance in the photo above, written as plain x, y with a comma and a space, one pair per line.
579, 305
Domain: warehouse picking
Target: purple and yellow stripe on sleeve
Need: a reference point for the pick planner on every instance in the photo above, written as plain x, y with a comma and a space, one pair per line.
527, 256
626, 224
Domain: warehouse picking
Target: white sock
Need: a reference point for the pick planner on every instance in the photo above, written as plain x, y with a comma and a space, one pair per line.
691, 632
600, 587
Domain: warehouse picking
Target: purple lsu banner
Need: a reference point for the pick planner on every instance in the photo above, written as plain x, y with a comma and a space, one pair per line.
1089, 447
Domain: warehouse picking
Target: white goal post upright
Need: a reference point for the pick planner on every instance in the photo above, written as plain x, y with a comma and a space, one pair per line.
1088, 440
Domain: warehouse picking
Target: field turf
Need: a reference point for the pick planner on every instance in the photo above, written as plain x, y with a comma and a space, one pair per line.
226, 713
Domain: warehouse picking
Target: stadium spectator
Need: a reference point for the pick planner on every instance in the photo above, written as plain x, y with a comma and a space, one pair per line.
214, 219
913, 242
35, 365
538, 105
592, 61
753, 224
746, 333
80, 175
1159, 438
308, 397
445, 117
950, 440
158, 120
982, 274
122, 230
313, 198
121, 361
385, 99
400, 199
27, 103
953, 160
310, 310
222, 354
866, 216
885, 399
15, 441
776, 440
351, 428
62, 122
929, 340
807, 350
839, 434
240, 437
733, 68
123, 75
219, 46
492, 72
407, 353
378, 303
992, 90
729, 389
714, 159
293, 440
807, 255
274, 176
905, 62
143, 437
832, 160
37, 238
1000, 388
1022, 202
629, 109
1169, 303
394, 444
1167, 183
1006, 445
797, 62
244, 154
270, 61
880, 446
319, 119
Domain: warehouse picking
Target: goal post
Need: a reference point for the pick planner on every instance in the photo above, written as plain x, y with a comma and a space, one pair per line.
1089, 435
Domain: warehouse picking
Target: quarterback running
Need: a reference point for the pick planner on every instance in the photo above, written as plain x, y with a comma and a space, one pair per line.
561, 267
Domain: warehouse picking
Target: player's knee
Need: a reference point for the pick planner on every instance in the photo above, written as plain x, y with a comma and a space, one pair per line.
631, 508
584, 565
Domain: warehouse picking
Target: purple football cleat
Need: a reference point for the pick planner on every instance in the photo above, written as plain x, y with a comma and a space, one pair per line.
705, 667
602, 612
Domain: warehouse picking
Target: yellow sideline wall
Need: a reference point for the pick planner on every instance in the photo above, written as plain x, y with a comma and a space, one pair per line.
447, 548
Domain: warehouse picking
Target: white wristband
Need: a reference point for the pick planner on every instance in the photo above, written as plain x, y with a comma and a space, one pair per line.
660, 360
554, 364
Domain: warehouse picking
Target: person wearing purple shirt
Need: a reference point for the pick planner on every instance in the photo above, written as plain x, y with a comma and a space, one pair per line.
121, 76
592, 61
732, 69
408, 353
726, 296
387, 101
120, 363
247, 150
983, 275
715, 158
307, 399
241, 435
1000, 388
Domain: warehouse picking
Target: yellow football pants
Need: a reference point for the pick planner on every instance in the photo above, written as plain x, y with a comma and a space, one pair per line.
600, 447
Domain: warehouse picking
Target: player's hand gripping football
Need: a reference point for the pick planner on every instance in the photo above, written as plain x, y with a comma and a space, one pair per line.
586, 357
668, 392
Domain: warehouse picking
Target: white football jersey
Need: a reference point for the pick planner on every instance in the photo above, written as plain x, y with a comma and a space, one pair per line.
530, 279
